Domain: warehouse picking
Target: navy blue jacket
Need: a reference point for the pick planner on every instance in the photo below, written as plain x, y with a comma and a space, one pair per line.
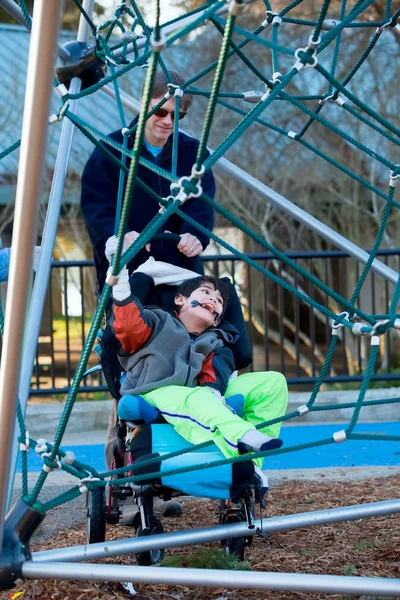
99, 201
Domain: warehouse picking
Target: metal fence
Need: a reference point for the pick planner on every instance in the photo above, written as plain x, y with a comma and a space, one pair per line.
286, 334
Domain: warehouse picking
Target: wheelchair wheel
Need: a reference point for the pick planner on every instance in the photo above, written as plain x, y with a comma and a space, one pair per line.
235, 545
152, 557
96, 516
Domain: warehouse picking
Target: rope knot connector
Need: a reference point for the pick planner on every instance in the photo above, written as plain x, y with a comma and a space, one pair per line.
82, 487
25, 447
304, 64
158, 45
338, 322
55, 466
340, 436
235, 7
41, 446
394, 179
302, 410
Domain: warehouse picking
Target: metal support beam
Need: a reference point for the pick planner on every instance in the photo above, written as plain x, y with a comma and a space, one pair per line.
329, 584
283, 204
14, 10
42, 53
212, 534
48, 239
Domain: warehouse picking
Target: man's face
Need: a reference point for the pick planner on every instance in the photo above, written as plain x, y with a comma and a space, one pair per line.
204, 306
158, 129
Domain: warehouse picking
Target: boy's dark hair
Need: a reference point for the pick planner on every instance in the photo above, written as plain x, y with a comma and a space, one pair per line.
160, 87
188, 286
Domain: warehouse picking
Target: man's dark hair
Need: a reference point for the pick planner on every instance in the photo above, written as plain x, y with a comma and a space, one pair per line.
190, 285
160, 87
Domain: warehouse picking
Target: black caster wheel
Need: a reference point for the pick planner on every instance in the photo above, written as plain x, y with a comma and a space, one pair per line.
96, 516
152, 557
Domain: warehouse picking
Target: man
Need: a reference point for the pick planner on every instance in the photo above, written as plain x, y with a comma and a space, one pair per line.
99, 195
100, 189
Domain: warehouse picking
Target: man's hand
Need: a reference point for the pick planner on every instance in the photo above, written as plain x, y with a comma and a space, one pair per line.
190, 245
130, 237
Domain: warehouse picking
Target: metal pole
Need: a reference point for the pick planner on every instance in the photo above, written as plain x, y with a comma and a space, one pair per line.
283, 204
212, 534
42, 52
43, 272
15, 11
330, 584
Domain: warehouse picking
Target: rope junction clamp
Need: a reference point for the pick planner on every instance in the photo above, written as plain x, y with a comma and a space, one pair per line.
292, 134
82, 487
336, 326
340, 436
124, 131
299, 65
252, 96
61, 90
129, 36
48, 468
396, 324
375, 334
357, 328
328, 24
69, 458
59, 117
41, 446
235, 7
269, 13
171, 87
394, 179
158, 45
302, 410
25, 447
381, 28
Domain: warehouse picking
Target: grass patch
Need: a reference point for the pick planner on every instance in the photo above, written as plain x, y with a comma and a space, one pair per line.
207, 558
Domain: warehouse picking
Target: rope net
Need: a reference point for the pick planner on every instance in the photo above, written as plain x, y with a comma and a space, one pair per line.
316, 64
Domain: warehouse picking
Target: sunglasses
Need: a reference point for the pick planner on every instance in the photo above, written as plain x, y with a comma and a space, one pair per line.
162, 113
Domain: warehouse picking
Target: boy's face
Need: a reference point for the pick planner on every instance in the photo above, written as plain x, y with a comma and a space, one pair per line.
203, 307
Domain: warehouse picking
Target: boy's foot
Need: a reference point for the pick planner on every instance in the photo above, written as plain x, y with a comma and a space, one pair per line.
170, 508
272, 444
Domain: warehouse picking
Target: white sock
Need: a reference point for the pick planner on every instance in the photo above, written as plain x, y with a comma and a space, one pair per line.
255, 439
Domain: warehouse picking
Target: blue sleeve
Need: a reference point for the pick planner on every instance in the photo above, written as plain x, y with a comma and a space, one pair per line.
5, 254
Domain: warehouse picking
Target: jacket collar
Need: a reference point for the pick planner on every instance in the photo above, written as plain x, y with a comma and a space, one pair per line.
166, 153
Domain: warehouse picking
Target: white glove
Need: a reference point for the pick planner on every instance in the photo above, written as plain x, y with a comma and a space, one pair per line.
111, 247
122, 289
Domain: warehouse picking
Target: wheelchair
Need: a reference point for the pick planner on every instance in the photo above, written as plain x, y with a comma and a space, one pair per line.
145, 435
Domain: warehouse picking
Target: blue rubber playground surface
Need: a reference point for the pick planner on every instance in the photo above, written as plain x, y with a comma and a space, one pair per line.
357, 453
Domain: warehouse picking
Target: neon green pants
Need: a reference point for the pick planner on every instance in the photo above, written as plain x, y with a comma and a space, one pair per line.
198, 416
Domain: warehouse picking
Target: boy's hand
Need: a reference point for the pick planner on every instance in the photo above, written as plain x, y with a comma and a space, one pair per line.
122, 289
111, 247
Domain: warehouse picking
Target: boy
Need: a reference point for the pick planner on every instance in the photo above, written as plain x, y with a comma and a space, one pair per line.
179, 364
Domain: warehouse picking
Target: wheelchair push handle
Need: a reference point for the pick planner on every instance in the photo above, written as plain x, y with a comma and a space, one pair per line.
166, 237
